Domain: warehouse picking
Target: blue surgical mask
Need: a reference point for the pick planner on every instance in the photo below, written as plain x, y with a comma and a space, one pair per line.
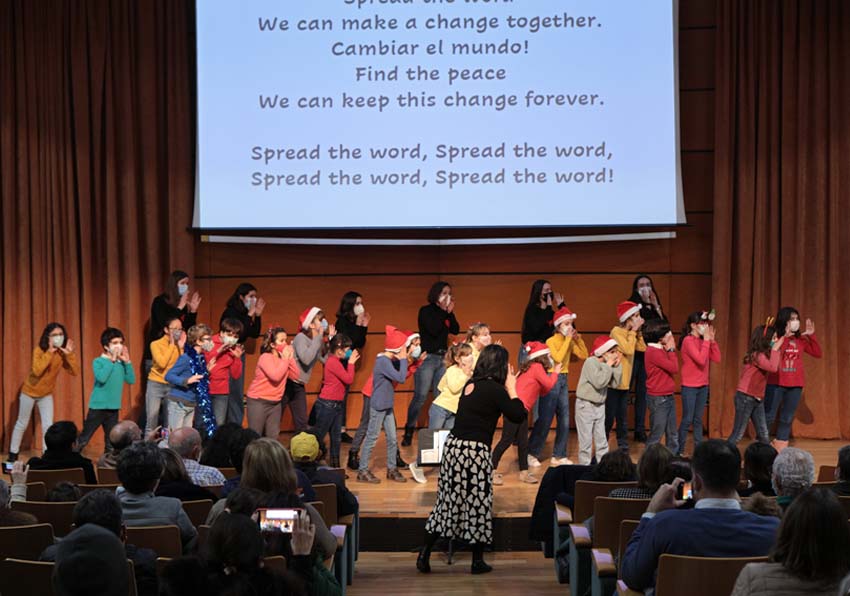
324, 324
182, 288
348, 354
416, 352
772, 343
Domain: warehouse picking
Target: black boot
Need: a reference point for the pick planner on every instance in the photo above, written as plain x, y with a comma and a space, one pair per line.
346, 438
334, 463
13, 457
407, 440
478, 564
399, 462
423, 561
353, 461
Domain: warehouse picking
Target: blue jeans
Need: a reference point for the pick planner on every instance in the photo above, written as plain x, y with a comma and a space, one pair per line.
440, 418
329, 419
662, 420
693, 407
639, 378
788, 398
378, 419
616, 405
746, 407
363, 426
426, 377
557, 402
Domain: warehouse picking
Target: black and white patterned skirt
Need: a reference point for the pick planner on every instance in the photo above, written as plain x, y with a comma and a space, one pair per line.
464, 508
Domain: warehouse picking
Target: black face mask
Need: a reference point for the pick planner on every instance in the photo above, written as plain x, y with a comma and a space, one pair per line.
548, 295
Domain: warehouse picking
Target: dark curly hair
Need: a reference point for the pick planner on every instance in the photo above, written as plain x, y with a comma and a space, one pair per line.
140, 467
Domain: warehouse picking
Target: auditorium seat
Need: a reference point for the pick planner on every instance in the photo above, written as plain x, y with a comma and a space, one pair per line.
87, 488
215, 489
163, 540
826, 474
107, 476
605, 569
203, 536
197, 510
845, 502
51, 478
694, 576
26, 578
25, 542
36, 491
58, 515
228, 473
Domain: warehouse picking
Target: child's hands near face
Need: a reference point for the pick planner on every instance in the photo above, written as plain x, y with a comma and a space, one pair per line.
810, 327
238, 350
355, 356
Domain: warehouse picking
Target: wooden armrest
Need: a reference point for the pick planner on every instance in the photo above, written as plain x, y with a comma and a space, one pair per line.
564, 513
624, 590
603, 561
347, 520
580, 536
339, 532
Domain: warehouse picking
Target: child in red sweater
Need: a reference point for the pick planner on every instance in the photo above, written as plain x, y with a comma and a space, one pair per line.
532, 382
761, 359
699, 349
661, 368
224, 362
338, 375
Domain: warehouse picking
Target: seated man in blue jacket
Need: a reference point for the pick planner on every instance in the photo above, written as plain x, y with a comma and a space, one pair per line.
715, 527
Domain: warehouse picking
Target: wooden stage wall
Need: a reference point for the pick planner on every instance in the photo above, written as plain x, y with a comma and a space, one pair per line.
491, 283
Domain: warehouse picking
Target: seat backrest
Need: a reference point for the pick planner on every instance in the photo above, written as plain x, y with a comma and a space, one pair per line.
826, 473
340, 473
699, 576
587, 491
25, 578
276, 564
326, 493
107, 476
607, 515
203, 537
163, 540
319, 507
197, 510
58, 515
51, 478
627, 528
845, 502
36, 491
87, 488
215, 489
228, 473
25, 542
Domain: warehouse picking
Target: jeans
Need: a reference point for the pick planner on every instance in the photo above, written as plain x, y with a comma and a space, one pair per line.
155, 393
513, 433
662, 420
180, 415
363, 426
220, 403
440, 418
616, 405
235, 407
693, 407
329, 419
105, 418
557, 402
264, 417
378, 419
45, 412
639, 378
788, 398
746, 407
296, 396
426, 377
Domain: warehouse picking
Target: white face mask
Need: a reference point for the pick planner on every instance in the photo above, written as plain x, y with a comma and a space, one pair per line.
207, 346
644, 291
176, 334
446, 298
794, 325
565, 329
358, 310
57, 341
229, 341
182, 289
250, 302
485, 340
116, 349
416, 352
701, 329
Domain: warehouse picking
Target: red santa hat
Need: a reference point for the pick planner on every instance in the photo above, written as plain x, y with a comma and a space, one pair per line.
564, 315
626, 309
410, 335
535, 349
395, 339
602, 344
307, 316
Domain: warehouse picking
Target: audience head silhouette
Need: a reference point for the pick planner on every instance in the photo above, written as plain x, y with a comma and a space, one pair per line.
140, 467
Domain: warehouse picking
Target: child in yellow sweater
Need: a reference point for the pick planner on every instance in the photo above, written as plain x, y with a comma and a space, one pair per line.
629, 339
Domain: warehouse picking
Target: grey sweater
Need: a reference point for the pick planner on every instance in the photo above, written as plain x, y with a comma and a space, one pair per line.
596, 378
308, 351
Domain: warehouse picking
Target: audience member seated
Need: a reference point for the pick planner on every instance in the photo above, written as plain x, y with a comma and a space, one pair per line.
61, 440
793, 473
236, 451
186, 442
653, 470
102, 508
122, 435
715, 527
216, 452
91, 560
811, 554
304, 449
175, 480
761, 505
7, 516
64, 492
267, 467
614, 466
758, 469
842, 473
139, 470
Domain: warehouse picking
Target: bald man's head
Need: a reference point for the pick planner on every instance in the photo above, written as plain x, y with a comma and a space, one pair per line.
186, 442
124, 434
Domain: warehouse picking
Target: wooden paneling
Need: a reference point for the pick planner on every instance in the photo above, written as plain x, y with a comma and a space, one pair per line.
698, 180
696, 120
696, 13
696, 59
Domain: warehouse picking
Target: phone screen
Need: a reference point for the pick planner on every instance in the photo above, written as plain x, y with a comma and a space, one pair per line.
278, 520
686, 491
7, 467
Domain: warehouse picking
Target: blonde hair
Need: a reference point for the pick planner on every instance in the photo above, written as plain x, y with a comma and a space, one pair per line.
475, 330
456, 352
268, 467
196, 332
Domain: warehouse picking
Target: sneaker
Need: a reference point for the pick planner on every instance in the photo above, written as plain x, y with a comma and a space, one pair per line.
533, 462
368, 476
418, 473
498, 479
346, 438
394, 474
560, 461
528, 477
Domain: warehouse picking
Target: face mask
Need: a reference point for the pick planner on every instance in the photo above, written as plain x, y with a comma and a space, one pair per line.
701, 329
207, 346
229, 341
324, 324
548, 295
182, 288
772, 344
446, 298
57, 341
416, 352
794, 326
348, 354
116, 350
485, 340
565, 329
644, 291
280, 347
358, 310
250, 302
177, 334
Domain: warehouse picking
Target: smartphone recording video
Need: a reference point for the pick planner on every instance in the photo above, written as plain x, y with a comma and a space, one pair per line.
278, 520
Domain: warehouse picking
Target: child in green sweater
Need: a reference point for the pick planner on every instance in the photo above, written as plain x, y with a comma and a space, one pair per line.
111, 370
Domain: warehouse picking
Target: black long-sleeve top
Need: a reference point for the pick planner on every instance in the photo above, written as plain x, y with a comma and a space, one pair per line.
356, 333
479, 412
435, 324
162, 311
250, 325
537, 323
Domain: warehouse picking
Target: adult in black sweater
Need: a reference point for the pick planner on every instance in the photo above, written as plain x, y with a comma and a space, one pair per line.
644, 294
537, 319
61, 440
465, 490
352, 320
436, 321
245, 306
174, 303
